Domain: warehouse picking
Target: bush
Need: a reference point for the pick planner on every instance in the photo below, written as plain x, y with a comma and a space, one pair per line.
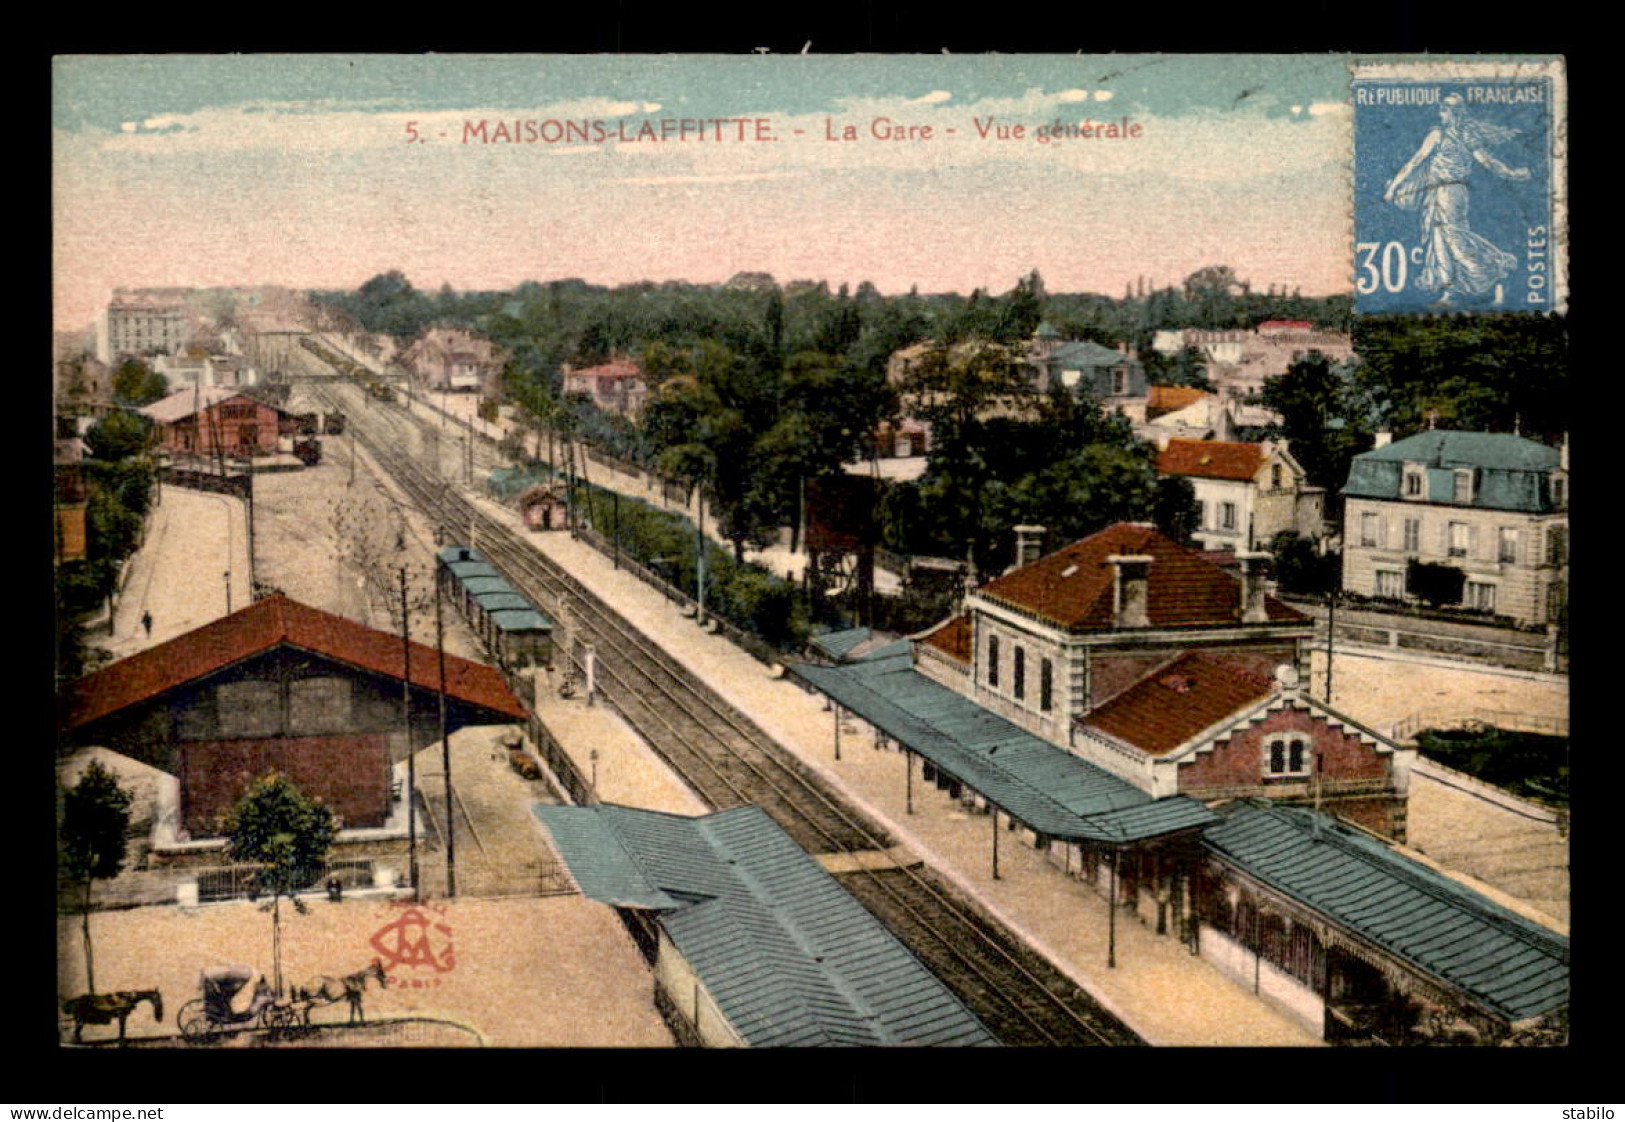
1530, 766
1436, 585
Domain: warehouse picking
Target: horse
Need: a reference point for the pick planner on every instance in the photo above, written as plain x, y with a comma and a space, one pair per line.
105, 1008
327, 990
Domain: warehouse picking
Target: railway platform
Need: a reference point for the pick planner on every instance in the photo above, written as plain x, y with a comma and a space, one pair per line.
1158, 987
193, 567
626, 771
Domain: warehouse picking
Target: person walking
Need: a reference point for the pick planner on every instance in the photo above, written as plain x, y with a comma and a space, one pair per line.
146, 622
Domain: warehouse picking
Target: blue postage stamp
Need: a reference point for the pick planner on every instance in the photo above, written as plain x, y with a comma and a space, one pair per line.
1459, 180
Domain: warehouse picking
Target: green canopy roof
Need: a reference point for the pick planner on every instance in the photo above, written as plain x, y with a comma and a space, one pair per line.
1048, 789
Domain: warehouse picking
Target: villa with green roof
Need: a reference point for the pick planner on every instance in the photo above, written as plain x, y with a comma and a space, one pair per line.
1115, 379
1493, 506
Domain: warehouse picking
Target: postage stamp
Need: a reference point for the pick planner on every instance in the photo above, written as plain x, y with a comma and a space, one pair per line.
1459, 191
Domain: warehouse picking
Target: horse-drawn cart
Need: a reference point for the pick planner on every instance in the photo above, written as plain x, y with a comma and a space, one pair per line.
226, 1007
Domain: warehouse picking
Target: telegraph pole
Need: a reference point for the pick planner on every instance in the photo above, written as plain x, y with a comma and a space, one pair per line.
445, 751
411, 750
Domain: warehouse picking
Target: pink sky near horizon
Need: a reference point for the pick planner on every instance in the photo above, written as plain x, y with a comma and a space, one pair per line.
240, 211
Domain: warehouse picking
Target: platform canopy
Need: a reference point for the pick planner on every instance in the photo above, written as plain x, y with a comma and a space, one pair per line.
788, 955
1048, 789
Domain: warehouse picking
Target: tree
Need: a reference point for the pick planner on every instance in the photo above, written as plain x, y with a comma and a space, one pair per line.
95, 816
136, 384
288, 834
1325, 417
118, 436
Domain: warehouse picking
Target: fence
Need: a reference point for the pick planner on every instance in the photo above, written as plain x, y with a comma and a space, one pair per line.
1406, 729
231, 882
199, 480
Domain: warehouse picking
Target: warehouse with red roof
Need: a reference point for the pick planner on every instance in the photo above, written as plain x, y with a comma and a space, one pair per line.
280, 686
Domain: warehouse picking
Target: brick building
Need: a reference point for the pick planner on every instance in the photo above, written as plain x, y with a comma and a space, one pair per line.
1152, 662
279, 686
211, 420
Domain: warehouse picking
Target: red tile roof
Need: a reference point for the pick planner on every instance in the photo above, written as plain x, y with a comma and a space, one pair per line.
1211, 459
616, 368
952, 639
1176, 702
1286, 325
260, 627
1171, 399
1072, 587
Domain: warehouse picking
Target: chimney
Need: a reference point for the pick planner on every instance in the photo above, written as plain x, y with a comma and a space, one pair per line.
1029, 545
1252, 587
1131, 590
1384, 438
1563, 453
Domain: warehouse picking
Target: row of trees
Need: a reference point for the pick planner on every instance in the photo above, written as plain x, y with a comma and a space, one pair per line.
120, 484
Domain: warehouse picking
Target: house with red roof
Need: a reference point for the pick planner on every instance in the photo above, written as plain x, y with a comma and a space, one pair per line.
1247, 493
216, 420
618, 386
1154, 663
280, 686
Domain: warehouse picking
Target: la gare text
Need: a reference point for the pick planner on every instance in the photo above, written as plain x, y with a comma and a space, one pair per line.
745, 130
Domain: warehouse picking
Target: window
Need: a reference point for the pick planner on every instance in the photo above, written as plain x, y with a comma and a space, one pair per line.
1368, 529
1464, 485
1413, 482
1018, 676
1286, 755
319, 705
1460, 539
1560, 491
1508, 553
1390, 584
1046, 685
1413, 535
249, 708
1227, 516
1480, 596
993, 660
1120, 382
1557, 545
1275, 477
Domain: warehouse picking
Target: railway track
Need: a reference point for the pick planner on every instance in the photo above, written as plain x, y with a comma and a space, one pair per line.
728, 761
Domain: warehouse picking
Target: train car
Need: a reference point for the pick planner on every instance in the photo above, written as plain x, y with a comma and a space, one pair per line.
506, 622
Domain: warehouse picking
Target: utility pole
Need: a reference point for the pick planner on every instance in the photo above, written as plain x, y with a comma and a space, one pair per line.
1331, 626
445, 751
411, 751
699, 575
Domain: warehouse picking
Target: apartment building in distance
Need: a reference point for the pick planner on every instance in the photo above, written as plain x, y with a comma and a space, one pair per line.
143, 321
1492, 505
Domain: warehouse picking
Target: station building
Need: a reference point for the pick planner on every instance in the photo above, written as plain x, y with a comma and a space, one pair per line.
1135, 711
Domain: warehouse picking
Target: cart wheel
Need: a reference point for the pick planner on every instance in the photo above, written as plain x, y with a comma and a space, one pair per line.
195, 1026
279, 1019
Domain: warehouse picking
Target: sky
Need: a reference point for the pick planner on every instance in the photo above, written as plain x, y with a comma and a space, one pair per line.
322, 171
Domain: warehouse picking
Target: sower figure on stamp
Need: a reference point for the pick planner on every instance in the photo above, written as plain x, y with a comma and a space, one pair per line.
1434, 181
